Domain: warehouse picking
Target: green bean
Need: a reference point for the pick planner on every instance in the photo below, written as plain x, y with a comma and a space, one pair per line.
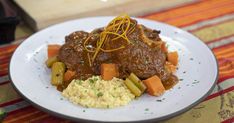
132, 87
137, 82
51, 61
58, 69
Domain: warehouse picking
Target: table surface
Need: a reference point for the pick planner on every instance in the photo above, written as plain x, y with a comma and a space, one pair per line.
210, 20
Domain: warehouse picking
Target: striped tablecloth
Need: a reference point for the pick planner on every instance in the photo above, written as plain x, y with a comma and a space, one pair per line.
210, 20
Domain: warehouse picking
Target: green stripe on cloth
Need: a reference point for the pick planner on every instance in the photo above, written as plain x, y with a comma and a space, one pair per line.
8, 93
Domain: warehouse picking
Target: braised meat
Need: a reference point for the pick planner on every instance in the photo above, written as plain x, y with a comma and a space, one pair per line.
143, 56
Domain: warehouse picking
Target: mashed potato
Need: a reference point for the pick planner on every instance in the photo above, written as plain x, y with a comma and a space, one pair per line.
97, 93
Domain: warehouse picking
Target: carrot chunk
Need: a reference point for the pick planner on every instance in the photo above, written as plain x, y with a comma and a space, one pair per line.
173, 58
164, 47
154, 86
68, 75
170, 67
53, 50
108, 71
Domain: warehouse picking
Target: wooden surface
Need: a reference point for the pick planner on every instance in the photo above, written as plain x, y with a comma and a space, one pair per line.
40, 14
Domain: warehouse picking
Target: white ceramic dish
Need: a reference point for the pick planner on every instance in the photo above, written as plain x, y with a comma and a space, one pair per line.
198, 72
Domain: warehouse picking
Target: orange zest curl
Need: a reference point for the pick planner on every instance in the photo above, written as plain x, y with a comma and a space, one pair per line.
118, 28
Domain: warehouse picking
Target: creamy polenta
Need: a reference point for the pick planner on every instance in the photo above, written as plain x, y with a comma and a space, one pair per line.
97, 93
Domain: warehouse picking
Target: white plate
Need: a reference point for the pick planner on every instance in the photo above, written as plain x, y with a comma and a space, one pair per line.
197, 67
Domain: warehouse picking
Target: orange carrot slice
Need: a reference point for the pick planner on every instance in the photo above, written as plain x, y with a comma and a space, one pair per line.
108, 71
170, 67
68, 76
164, 47
53, 50
154, 86
172, 57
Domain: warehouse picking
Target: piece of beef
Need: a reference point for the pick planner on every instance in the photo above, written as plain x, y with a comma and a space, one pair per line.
143, 56
73, 54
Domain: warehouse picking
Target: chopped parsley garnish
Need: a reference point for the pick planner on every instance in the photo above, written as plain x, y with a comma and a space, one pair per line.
99, 94
83, 110
91, 81
167, 45
81, 77
95, 79
146, 109
108, 106
79, 82
2, 114
181, 79
195, 82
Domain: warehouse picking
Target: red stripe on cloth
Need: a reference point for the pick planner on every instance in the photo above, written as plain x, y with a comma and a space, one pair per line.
5, 65
230, 45
19, 112
3, 83
3, 61
203, 19
3, 70
171, 9
25, 109
39, 119
226, 67
198, 13
231, 120
225, 61
11, 102
213, 7
30, 116
3, 73
52, 119
8, 46
219, 93
6, 52
223, 78
8, 56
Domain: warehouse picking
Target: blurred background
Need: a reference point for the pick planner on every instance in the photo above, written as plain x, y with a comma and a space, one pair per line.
20, 18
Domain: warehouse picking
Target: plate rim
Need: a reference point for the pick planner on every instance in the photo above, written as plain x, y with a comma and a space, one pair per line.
64, 116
